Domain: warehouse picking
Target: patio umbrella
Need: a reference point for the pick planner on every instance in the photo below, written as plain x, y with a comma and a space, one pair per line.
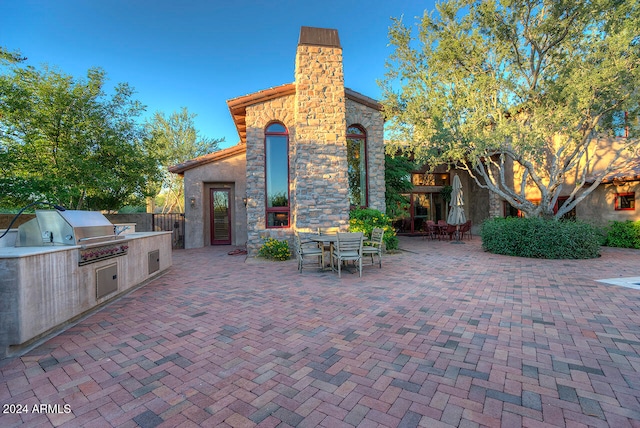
456, 213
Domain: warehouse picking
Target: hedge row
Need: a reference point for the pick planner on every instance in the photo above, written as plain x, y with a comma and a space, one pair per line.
624, 234
541, 238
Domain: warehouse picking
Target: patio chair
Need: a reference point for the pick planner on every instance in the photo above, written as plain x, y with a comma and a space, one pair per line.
451, 231
305, 251
442, 229
465, 229
348, 248
431, 230
373, 247
327, 231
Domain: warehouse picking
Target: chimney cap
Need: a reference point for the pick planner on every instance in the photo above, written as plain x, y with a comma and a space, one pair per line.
319, 37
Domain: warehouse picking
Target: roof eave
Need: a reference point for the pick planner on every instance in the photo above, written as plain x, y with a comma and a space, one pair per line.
238, 106
352, 95
620, 179
208, 158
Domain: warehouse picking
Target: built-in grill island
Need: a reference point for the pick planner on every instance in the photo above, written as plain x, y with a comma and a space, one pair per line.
64, 264
89, 229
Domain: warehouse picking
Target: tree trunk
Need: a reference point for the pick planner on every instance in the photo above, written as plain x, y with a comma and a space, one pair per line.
151, 204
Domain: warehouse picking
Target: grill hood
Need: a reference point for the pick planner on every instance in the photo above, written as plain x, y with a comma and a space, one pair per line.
70, 227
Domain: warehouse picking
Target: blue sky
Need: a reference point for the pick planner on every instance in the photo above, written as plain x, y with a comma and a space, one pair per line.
196, 53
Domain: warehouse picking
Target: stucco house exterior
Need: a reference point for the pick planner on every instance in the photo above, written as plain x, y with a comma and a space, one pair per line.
426, 201
612, 200
615, 198
309, 151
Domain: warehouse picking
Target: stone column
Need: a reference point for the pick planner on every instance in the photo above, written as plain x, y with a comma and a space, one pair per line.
495, 205
320, 183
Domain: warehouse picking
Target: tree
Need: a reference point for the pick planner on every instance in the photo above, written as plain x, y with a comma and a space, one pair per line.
397, 178
519, 93
175, 140
63, 139
10, 57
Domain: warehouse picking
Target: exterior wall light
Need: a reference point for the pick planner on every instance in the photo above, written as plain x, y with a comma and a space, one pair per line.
192, 200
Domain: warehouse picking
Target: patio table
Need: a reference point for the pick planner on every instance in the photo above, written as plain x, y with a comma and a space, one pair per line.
331, 239
326, 239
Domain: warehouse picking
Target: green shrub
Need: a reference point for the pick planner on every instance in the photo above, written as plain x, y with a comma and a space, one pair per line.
623, 234
273, 249
540, 238
366, 219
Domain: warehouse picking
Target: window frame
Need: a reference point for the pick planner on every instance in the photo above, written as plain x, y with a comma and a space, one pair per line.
430, 179
625, 194
509, 210
276, 210
362, 137
569, 215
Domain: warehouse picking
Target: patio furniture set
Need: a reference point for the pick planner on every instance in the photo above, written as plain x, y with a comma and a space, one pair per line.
442, 229
342, 247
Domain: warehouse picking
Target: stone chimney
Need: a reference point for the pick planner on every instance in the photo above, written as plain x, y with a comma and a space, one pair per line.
320, 187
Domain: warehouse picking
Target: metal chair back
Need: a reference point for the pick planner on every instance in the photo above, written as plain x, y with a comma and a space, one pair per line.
348, 248
374, 245
302, 251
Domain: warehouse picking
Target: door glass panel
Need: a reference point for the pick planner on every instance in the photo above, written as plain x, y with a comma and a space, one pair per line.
221, 215
439, 207
421, 210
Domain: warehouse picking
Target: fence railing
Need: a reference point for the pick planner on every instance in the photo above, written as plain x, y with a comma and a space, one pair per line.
174, 223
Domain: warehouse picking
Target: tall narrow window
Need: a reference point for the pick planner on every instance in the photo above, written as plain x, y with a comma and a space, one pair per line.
276, 147
357, 166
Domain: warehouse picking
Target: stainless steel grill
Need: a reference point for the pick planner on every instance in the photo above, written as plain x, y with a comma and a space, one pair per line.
89, 229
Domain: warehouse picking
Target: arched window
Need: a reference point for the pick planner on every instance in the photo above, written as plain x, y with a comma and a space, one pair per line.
276, 149
357, 166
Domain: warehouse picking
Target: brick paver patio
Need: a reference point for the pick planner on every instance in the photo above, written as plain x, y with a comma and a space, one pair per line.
444, 335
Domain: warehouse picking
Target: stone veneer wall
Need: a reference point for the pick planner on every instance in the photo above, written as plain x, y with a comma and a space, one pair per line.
316, 118
495, 206
259, 116
320, 186
373, 123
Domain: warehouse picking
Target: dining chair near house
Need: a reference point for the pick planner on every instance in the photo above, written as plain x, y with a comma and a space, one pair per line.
431, 230
451, 231
465, 230
327, 231
373, 247
307, 250
348, 248
442, 229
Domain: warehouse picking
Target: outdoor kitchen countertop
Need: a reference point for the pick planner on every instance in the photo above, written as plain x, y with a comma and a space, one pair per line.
16, 252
